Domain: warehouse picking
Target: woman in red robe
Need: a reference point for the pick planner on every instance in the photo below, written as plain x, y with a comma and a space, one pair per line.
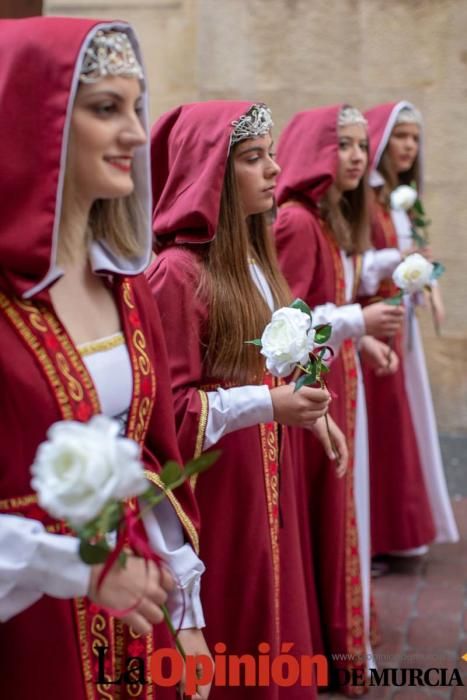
321, 236
77, 340
409, 498
216, 281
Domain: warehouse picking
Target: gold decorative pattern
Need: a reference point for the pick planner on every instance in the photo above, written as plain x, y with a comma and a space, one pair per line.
74, 388
269, 442
102, 345
127, 294
81, 613
74, 357
139, 342
353, 588
40, 353
185, 520
203, 421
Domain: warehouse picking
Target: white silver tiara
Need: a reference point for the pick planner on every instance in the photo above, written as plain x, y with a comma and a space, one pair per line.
409, 115
110, 53
350, 115
256, 122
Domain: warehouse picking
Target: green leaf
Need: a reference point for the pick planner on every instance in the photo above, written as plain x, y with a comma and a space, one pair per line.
301, 306
256, 342
323, 333
418, 238
93, 553
89, 530
396, 300
110, 517
438, 270
201, 463
419, 222
171, 472
305, 380
418, 208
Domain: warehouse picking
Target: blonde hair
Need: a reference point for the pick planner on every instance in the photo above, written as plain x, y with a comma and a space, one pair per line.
116, 222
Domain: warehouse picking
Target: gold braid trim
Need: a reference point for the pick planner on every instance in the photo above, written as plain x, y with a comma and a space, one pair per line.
102, 345
184, 519
203, 421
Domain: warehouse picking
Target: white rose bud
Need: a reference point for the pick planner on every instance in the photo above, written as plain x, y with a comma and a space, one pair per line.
403, 197
84, 466
413, 274
287, 340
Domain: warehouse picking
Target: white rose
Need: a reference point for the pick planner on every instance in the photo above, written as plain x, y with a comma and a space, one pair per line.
413, 273
286, 340
84, 466
403, 197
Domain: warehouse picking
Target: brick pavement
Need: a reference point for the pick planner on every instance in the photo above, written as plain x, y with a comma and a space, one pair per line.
422, 610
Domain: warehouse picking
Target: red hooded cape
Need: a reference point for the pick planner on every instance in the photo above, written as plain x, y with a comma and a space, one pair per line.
401, 516
253, 590
50, 650
310, 260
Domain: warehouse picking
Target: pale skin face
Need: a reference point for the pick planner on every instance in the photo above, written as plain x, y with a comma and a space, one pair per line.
105, 131
352, 156
256, 172
403, 146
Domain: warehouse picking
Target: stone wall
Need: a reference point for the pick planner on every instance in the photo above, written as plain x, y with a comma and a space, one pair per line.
295, 54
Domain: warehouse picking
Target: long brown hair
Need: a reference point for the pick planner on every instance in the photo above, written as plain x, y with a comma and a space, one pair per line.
237, 310
393, 179
347, 216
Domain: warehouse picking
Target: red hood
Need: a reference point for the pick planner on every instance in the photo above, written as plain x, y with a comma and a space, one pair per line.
308, 154
39, 70
189, 152
381, 121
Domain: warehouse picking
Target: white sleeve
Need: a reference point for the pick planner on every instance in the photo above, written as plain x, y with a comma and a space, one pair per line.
347, 322
236, 408
34, 562
166, 537
376, 266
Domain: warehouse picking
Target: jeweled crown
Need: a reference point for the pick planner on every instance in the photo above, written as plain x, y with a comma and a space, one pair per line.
256, 122
110, 53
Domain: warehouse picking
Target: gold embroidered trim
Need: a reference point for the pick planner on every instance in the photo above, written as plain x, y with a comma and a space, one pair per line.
31, 341
269, 445
185, 520
102, 345
10, 504
203, 421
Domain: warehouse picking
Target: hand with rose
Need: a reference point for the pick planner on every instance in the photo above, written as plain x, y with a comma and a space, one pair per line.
425, 251
334, 443
382, 320
299, 408
379, 356
140, 586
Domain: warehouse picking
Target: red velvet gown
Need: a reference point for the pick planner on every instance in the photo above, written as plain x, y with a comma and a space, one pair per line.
253, 590
401, 516
312, 265
51, 649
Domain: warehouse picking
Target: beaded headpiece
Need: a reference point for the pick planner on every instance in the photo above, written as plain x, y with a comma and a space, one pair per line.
256, 122
110, 53
409, 115
350, 115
